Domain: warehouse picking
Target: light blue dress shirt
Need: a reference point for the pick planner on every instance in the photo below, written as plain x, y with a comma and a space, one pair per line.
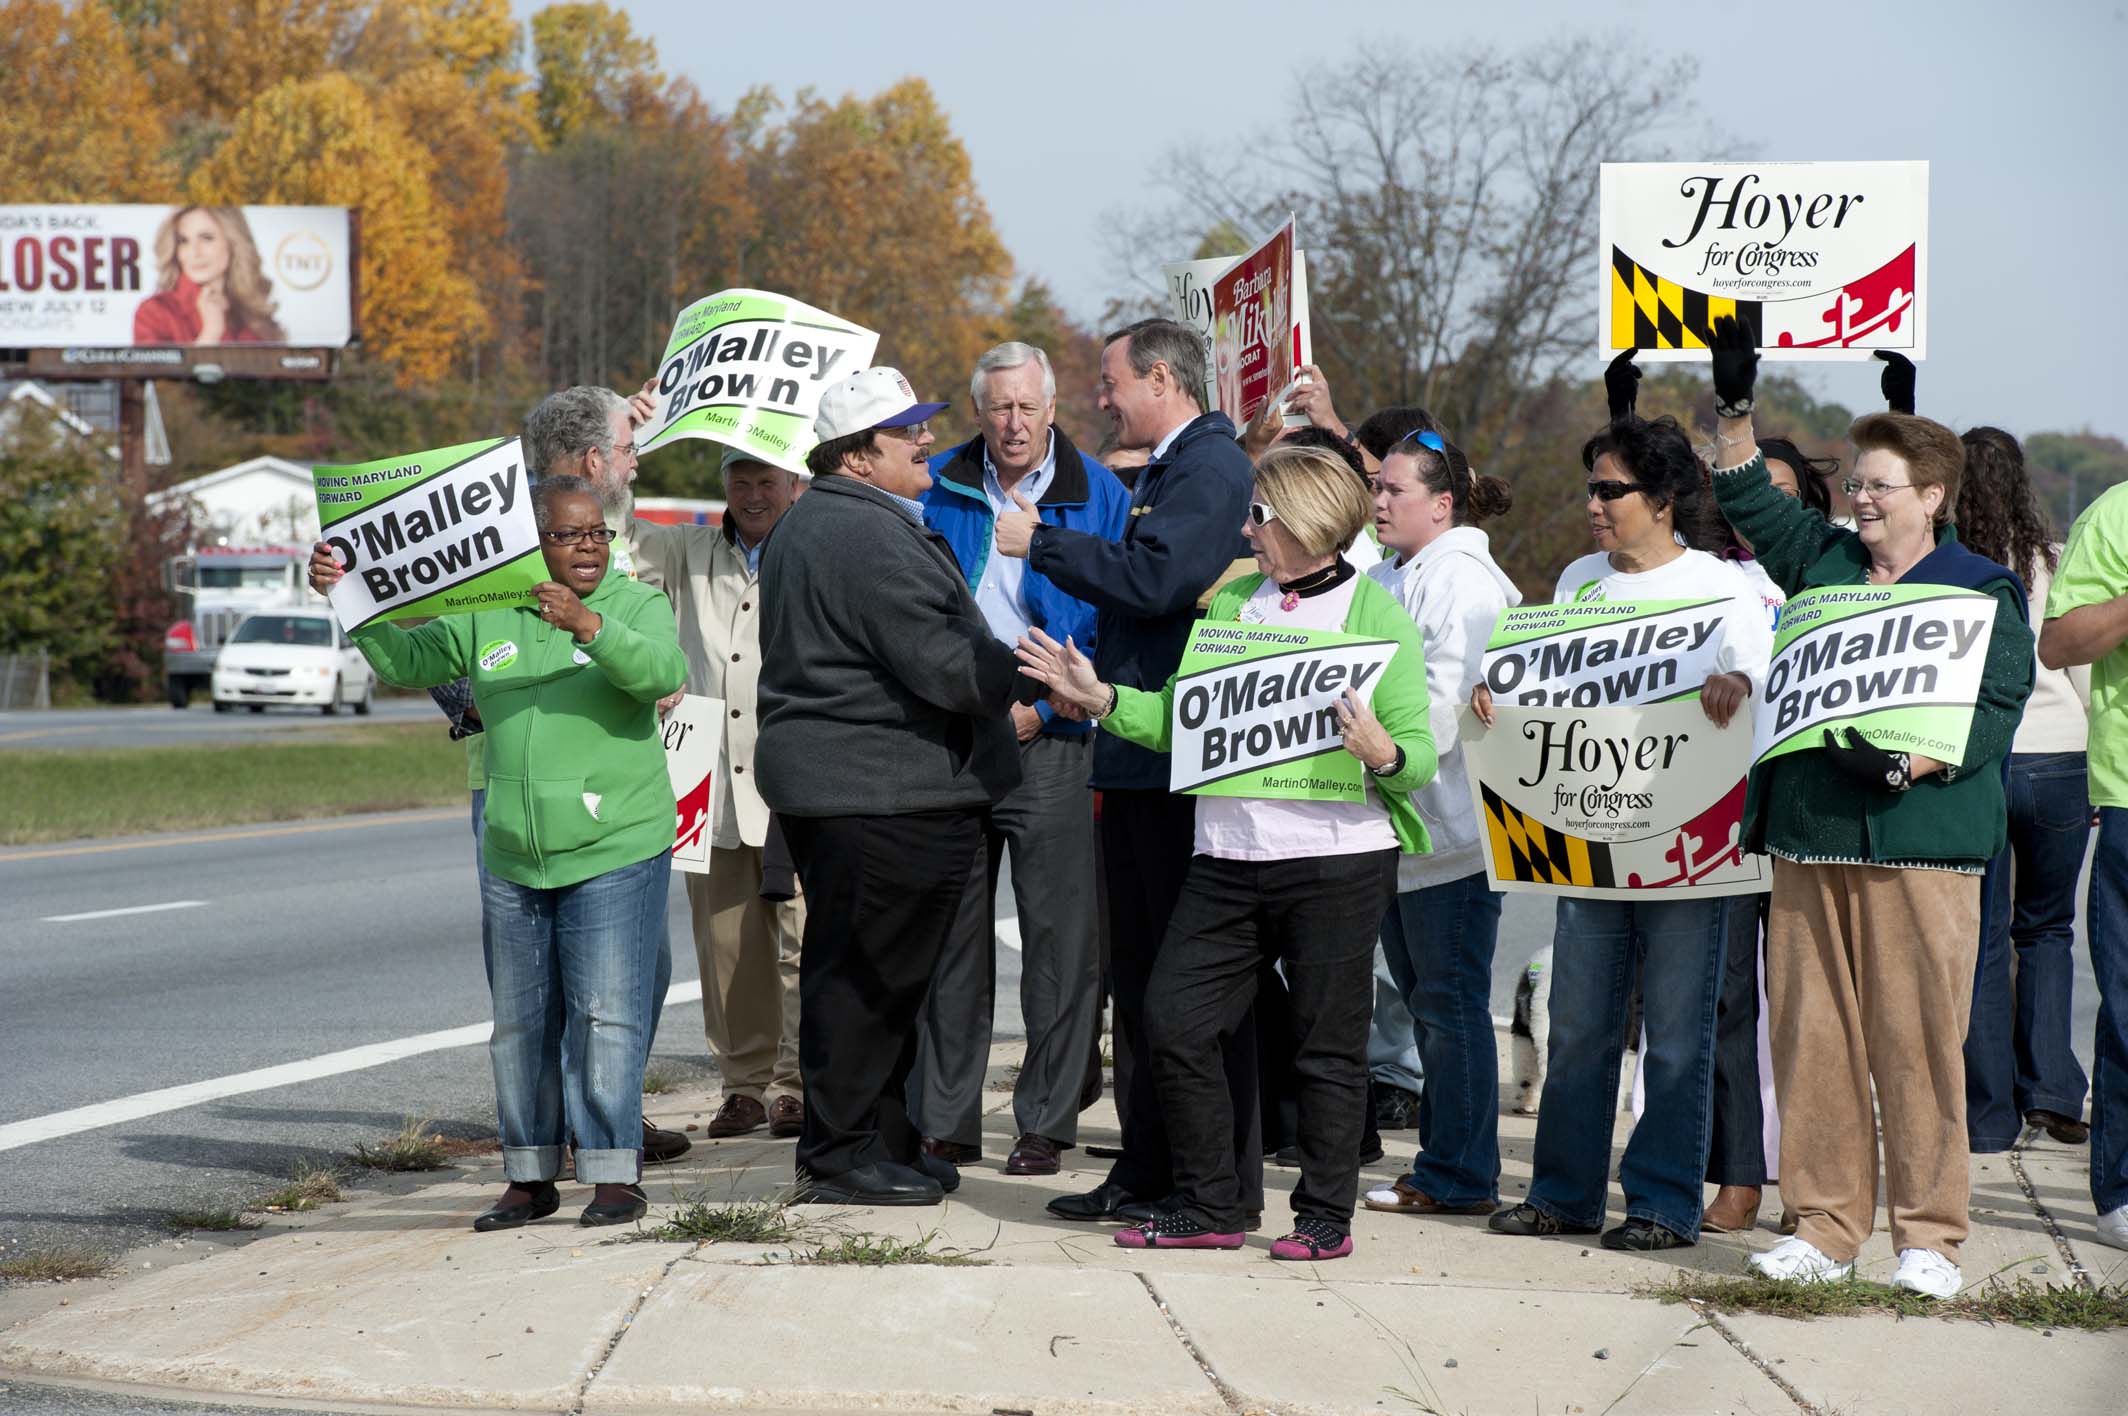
1000, 594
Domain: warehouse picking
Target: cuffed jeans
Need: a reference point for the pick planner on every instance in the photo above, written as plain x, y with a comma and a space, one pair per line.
1439, 942
2017, 1052
2107, 923
575, 978
1674, 949
1317, 916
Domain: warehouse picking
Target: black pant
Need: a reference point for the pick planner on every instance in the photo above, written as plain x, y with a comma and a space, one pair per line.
1737, 1155
881, 892
1319, 915
1146, 841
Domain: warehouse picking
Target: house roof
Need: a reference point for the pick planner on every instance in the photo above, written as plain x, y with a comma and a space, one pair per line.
297, 474
30, 392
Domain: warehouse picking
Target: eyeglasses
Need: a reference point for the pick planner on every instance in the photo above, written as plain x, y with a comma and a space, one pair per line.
575, 537
1425, 437
914, 432
1261, 512
1875, 491
1614, 491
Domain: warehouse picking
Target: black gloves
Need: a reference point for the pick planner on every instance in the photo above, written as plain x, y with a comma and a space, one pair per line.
1898, 382
1736, 366
1868, 764
456, 700
1621, 384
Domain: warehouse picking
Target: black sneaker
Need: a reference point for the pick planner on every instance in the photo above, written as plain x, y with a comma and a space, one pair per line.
1644, 1236
1394, 1108
1529, 1220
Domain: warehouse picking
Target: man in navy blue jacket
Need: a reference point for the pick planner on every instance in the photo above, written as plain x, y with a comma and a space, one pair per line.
1184, 530
1022, 459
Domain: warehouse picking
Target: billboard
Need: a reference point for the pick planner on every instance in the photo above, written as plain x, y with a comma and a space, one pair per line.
1826, 260
175, 286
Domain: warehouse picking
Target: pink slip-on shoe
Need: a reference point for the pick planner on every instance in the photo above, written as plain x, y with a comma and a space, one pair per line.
1313, 1239
1170, 1229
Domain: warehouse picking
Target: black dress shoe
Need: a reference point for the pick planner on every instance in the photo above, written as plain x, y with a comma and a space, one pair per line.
662, 1147
546, 1199
951, 1152
1104, 1201
2069, 1130
1644, 1236
939, 1169
628, 1211
884, 1183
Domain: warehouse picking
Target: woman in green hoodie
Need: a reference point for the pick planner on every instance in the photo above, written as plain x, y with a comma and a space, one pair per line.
578, 835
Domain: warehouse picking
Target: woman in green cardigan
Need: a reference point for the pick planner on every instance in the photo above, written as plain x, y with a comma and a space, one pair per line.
1299, 883
1874, 925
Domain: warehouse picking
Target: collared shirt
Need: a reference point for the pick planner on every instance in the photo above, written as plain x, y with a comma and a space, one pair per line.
1001, 595
751, 553
914, 509
1160, 448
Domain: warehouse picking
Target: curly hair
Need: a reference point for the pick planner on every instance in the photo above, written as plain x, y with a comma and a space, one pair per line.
1658, 454
1998, 515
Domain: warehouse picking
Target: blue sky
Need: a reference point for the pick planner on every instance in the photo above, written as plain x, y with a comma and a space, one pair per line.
1066, 110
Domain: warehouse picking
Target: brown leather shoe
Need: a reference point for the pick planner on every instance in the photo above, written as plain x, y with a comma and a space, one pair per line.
1401, 1198
1735, 1210
1789, 1222
1032, 1155
662, 1147
2069, 1130
951, 1152
786, 1117
739, 1116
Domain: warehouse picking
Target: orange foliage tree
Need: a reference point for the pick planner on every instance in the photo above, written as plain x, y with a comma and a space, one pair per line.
79, 125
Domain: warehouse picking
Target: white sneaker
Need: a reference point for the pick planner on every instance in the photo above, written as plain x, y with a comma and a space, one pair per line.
1800, 1261
1928, 1273
2113, 1227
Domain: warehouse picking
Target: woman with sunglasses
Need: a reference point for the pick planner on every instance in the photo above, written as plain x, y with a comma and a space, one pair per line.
1650, 515
1874, 929
1440, 930
576, 844
1299, 883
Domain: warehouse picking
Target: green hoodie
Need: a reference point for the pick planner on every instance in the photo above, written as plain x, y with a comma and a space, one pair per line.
577, 784
1400, 700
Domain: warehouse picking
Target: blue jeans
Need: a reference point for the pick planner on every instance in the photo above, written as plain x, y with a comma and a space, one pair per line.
2107, 923
664, 962
1440, 946
1601, 948
2017, 1053
1392, 1041
573, 972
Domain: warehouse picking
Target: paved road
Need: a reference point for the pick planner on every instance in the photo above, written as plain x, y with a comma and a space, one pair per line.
163, 726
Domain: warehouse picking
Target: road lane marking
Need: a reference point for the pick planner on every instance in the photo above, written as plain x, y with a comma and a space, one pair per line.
29, 733
331, 1064
281, 829
128, 910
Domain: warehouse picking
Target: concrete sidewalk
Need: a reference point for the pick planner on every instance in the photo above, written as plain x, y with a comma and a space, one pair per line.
392, 1301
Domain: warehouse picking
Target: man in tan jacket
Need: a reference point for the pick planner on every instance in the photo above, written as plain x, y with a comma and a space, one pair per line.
746, 947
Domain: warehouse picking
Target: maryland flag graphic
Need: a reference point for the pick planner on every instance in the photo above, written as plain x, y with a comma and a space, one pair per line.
1526, 849
1648, 312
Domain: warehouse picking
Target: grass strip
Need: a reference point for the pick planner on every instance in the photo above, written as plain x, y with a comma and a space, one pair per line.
56, 1265
416, 1147
215, 1221
69, 796
878, 1251
2023, 1303
702, 1221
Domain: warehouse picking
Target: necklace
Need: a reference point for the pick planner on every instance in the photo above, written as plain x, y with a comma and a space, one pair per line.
1294, 589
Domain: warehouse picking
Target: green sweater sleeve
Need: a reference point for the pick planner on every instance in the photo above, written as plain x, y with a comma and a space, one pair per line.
1785, 536
638, 646
437, 652
1145, 717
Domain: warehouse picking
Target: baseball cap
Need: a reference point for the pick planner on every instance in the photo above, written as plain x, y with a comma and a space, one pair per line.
733, 456
870, 398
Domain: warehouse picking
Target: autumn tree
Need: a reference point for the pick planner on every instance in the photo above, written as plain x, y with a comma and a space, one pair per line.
594, 70
79, 124
208, 59
324, 141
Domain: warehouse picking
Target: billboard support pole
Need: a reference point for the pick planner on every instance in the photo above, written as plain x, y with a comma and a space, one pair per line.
133, 437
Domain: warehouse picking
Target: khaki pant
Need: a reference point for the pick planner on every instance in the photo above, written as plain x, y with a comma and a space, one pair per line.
1869, 976
747, 951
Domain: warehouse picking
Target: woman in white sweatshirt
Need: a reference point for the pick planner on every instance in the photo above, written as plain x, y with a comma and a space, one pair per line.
1440, 930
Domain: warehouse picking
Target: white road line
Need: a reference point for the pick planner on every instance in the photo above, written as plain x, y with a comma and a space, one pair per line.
353, 1059
128, 910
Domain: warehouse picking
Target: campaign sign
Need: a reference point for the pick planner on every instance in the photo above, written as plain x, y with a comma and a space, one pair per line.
1613, 803
432, 533
1900, 663
1825, 260
1255, 711
693, 733
1600, 655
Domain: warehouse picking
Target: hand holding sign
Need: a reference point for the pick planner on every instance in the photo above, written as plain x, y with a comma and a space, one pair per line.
1015, 529
1721, 695
559, 607
325, 569
1069, 674
1481, 703
1365, 737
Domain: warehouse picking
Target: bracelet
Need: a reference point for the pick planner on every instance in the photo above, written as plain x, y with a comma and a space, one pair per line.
1739, 409
1393, 766
1900, 776
1113, 699
1729, 442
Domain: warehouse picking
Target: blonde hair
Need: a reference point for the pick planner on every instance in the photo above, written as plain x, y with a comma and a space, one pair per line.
1321, 501
251, 305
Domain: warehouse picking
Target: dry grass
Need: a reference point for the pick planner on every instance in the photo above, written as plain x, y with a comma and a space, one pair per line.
2022, 1304
55, 1265
416, 1147
659, 1080
310, 1187
878, 1251
219, 1220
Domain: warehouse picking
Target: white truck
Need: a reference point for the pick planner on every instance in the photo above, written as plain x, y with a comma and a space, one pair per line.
215, 587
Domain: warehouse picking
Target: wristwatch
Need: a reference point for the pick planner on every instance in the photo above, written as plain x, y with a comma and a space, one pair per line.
1393, 766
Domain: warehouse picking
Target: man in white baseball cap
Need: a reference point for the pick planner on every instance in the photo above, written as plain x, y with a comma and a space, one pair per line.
885, 737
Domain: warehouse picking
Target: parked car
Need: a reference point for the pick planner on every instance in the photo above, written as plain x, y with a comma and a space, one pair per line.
295, 656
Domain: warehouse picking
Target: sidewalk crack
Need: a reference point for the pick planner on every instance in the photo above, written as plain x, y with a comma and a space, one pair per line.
1729, 1335
1227, 1394
583, 1388
2082, 1275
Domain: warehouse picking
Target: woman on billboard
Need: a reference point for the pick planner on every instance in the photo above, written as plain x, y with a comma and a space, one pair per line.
211, 285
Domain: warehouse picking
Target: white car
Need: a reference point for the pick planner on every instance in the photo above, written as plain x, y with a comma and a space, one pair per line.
294, 656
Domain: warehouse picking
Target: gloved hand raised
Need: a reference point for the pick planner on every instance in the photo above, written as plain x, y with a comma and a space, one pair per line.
1621, 384
1736, 366
1898, 382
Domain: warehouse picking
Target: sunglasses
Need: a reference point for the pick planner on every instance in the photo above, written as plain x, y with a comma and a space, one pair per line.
1261, 512
1614, 491
1425, 438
